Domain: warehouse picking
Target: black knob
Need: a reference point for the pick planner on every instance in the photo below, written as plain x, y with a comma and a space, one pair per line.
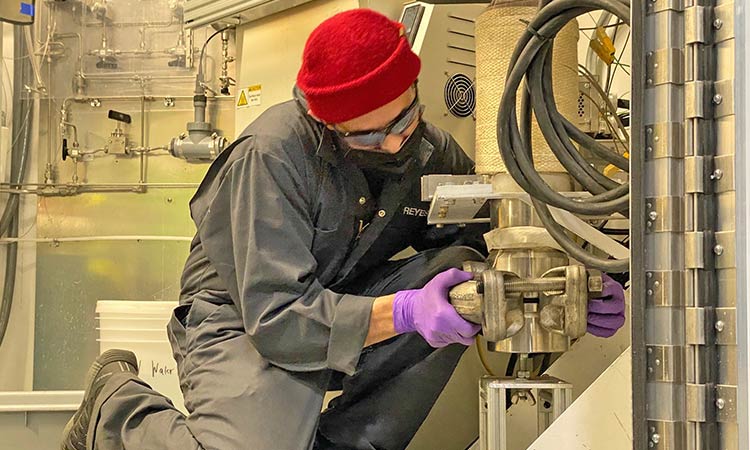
118, 116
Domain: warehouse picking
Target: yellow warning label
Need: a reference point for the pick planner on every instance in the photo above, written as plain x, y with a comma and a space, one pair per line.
242, 100
255, 87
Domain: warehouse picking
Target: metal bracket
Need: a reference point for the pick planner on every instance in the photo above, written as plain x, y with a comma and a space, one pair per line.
723, 22
698, 98
664, 214
696, 25
665, 288
664, 66
665, 364
699, 403
664, 140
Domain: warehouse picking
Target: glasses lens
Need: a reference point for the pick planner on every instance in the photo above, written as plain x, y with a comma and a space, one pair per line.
365, 141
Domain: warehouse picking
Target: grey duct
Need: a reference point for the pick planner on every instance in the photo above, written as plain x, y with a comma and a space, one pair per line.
22, 112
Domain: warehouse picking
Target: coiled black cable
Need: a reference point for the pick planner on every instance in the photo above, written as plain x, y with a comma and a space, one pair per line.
532, 65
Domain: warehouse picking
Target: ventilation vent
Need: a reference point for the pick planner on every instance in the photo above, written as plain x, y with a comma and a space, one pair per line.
460, 96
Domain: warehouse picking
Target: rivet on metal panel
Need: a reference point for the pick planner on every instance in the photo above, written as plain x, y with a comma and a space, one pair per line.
718, 250
720, 403
718, 99
719, 325
717, 174
718, 23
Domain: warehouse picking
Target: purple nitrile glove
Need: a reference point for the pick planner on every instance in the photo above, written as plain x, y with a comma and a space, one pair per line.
607, 312
428, 312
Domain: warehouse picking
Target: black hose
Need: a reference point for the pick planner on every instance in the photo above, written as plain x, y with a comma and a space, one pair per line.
532, 67
22, 112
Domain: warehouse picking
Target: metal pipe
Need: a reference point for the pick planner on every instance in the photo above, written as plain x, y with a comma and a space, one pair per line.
142, 155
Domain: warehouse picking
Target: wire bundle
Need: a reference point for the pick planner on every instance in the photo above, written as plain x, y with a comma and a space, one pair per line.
532, 63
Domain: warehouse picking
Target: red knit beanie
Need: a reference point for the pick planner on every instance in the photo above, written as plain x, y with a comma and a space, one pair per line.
354, 63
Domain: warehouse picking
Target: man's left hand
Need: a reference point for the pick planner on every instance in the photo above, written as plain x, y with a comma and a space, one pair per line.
607, 313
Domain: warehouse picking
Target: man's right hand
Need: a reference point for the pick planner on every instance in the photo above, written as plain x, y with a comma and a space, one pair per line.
428, 312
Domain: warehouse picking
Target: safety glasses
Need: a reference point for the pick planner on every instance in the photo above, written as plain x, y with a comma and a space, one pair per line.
373, 139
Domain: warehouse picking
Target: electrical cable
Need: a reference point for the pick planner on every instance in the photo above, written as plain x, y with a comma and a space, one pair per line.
533, 64
199, 79
19, 159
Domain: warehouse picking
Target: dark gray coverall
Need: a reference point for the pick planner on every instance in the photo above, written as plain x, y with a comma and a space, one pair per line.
292, 248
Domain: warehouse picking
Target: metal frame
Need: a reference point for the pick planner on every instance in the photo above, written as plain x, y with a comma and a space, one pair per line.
742, 217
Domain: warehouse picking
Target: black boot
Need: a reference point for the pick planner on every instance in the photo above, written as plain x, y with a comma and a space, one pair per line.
107, 364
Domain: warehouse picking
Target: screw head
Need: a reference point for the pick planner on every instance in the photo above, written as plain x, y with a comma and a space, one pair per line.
720, 403
719, 326
653, 215
718, 99
718, 23
718, 249
655, 438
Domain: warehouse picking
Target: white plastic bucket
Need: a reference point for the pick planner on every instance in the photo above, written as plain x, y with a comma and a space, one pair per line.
140, 326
